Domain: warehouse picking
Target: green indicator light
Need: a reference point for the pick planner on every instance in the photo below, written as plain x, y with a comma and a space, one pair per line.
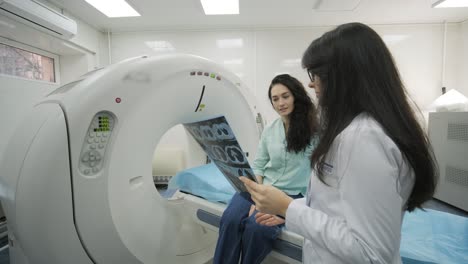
212, 75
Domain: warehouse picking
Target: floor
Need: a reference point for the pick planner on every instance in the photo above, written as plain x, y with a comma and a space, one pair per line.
432, 204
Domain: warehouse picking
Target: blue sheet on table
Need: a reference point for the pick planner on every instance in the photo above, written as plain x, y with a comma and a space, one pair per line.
435, 237
205, 181
427, 236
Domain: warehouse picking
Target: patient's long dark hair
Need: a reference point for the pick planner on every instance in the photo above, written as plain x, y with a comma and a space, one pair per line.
358, 75
303, 124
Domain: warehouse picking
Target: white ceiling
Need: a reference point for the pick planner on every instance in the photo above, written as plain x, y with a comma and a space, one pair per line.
188, 14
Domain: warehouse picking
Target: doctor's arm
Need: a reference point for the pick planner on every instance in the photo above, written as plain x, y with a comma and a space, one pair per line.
370, 230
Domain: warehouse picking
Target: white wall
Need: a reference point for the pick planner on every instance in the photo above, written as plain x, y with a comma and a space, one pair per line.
236, 49
463, 60
265, 52
257, 55
280, 51
90, 52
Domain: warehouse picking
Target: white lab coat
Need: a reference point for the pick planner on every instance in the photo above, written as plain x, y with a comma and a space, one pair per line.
358, 217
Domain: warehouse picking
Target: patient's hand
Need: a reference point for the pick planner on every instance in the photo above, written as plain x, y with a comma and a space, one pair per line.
268, 219
252, 210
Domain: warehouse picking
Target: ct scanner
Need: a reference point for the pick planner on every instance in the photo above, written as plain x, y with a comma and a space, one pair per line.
76, 179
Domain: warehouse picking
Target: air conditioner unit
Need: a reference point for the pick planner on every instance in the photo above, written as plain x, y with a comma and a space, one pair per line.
39, 16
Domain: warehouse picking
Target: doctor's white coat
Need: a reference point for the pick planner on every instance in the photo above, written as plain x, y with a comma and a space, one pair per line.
357, 216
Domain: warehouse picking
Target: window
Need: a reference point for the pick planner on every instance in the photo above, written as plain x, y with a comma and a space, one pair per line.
25, 64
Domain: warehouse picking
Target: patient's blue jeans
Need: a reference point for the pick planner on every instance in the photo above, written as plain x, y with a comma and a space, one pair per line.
239, 233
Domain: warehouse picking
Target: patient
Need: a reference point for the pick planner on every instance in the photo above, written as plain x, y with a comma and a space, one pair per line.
282, 160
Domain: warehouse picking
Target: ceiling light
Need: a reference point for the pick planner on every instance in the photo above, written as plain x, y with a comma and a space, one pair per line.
114, 8
220, 7
450, 3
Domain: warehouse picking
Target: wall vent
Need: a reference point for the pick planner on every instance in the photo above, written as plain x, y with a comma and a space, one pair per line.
457, 131
457, 176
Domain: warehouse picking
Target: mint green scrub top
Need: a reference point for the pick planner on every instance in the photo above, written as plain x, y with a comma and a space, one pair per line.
287, 171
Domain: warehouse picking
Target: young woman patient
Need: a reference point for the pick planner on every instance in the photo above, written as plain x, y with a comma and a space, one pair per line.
283, 161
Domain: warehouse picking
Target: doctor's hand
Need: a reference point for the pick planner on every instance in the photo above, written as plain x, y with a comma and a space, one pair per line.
267, 198
268, 219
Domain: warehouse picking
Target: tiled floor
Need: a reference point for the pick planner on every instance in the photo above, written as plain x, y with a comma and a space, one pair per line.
433, 204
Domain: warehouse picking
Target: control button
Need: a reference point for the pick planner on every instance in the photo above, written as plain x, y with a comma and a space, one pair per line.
105, 134
101, 146
92, 134
85, 158
92, 158
96, 140
98, 158
90, 140
95, 169
103, 140
86, 171
98, 134
93, 146
92, 164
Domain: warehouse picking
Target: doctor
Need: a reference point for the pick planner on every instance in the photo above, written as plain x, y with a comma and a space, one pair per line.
373, 161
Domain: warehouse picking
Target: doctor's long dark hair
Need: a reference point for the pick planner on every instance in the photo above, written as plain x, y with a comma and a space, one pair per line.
357, 74
303, 122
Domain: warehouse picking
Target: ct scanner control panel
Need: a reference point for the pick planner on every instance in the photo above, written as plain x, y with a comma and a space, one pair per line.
95, 143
